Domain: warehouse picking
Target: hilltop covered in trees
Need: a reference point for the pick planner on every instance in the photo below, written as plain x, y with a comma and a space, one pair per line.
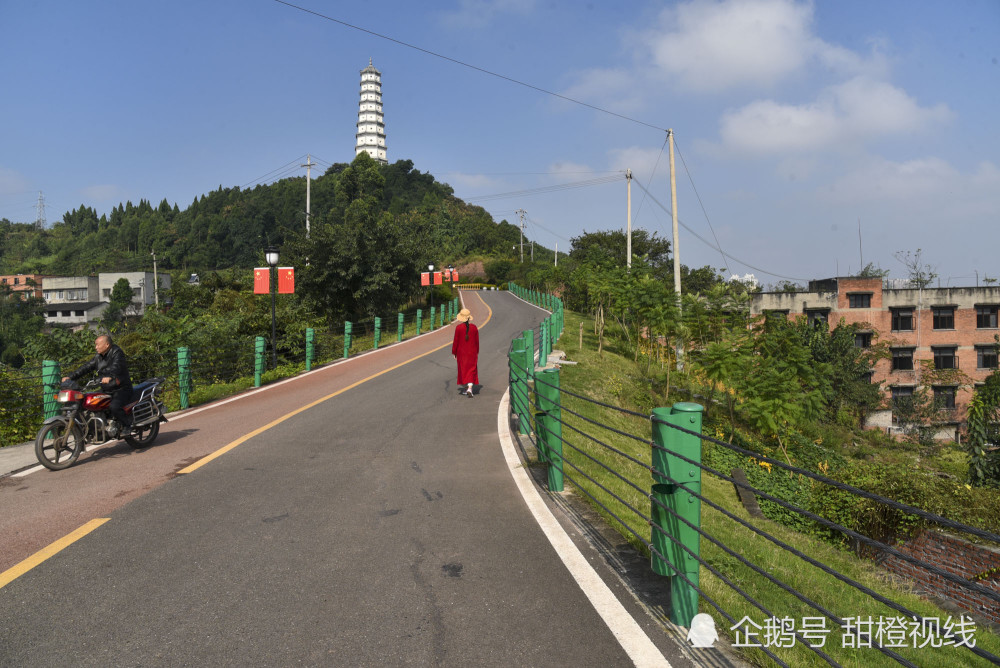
230, 227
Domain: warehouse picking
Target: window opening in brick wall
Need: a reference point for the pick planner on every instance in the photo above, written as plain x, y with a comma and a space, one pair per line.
986, 357
986, 316
945, 358
944, 398
863, 339
944, 317
817, 316
902, 319
902, 400
859, 300
902, 359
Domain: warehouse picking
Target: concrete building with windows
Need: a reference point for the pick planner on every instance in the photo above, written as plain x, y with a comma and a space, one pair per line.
370, 136
72, 300
941, 339
79, 301
143, 288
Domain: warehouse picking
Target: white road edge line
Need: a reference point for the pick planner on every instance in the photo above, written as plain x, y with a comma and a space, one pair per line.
630, 636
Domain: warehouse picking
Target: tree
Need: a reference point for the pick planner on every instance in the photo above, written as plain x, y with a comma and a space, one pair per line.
20, 318
699, 281
119, 301
871, 271
361, 261
983, 443
920, 274
608, 249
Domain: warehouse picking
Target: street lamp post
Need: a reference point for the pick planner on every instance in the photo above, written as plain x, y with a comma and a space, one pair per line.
430, 272
271, 255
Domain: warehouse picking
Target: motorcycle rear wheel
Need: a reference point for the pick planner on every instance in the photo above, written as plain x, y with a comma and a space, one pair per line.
144, 435
58, 445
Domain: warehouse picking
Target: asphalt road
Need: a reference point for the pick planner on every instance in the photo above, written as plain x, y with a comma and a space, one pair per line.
368, 519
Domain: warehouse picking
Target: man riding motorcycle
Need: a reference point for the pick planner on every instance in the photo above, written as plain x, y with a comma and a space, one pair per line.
112, 368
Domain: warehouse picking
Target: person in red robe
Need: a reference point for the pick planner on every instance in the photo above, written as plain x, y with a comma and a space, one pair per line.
465, 348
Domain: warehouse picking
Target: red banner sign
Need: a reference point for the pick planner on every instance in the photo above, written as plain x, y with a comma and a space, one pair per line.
286, 280
261, 281
425, 278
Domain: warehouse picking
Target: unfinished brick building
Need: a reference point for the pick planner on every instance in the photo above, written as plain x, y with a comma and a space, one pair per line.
928, 330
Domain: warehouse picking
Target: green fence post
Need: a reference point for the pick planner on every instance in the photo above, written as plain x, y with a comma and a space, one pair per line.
677, 496
51, 380
420, 320
543, 343
348, 328
529, 344
547, 400
259, 360
310, 347
430, 327
442, 315
399, 327
378, 332
184, 375
519, 389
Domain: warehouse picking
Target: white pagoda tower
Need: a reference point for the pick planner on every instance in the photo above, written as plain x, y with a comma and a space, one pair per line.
371, 125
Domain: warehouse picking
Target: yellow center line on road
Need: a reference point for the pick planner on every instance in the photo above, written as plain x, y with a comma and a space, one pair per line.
256, 432
54, 548
20, 569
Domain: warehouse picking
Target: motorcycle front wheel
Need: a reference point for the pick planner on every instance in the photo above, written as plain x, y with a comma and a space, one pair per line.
58, 445
143, 436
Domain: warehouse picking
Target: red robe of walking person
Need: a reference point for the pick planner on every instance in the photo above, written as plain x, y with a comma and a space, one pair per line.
465, 348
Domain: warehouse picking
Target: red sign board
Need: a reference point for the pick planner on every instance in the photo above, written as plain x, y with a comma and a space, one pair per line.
437, 278
425, 278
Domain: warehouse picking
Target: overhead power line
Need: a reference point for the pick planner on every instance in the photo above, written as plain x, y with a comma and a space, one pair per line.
715, 247
274, 173
547, 189
470, 66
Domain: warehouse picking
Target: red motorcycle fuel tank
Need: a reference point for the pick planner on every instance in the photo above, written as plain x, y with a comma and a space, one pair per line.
97, 401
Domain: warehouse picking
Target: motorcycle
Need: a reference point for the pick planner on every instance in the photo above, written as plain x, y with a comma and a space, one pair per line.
85, 419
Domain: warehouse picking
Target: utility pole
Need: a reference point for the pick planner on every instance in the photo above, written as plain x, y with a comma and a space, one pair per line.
557, 263
628, 223
521, 214
532, 250
156, 282
308, 166
677, 259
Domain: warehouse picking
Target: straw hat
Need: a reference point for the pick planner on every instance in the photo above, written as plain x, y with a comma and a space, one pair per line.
465, 315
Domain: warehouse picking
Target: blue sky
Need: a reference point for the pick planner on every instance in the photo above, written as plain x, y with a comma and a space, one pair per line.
796, 122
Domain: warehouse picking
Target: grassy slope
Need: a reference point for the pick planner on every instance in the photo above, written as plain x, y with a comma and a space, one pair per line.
614, 379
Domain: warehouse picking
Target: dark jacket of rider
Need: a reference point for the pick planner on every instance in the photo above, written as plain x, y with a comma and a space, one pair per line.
111, 364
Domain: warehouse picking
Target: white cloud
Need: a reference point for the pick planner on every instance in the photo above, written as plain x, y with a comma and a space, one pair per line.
711, 46
642, 161
918, 186
843, 115
479, 13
